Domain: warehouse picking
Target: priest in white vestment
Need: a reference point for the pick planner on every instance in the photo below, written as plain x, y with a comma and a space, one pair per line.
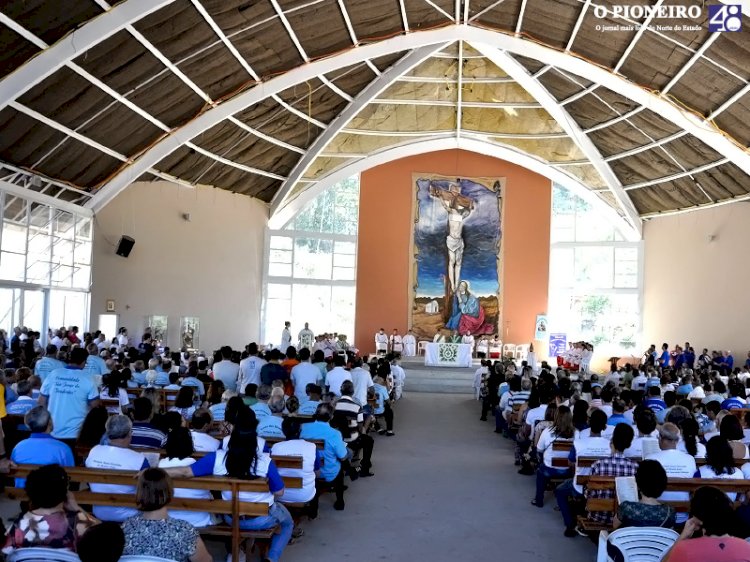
286, 337
468, 339
381, 342
396, 342
305, 338
410, 344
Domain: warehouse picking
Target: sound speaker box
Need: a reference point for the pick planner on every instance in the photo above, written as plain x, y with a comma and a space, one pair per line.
125, 246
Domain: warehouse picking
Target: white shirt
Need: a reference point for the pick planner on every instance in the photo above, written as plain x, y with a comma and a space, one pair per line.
381, 341
362, 381
122, 340
306, 450
114, 458
335, 378
639, 382
249, 372
195, 518
536, 415
636, 447
203, 442
677, 465
57, 342
708, 472
589, 447
468, 340
122, 396
260, 469
286, 339
227, 372
586, 433
700, 448
303, 374
545, 446
478, 376
399, 375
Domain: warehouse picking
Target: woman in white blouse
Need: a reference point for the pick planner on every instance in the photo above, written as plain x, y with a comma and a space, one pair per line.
562, 430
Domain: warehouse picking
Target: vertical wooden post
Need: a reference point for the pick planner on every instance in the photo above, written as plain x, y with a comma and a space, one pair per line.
235, 521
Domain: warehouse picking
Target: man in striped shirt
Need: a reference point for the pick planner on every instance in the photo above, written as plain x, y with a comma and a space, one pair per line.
521, 397
350, 412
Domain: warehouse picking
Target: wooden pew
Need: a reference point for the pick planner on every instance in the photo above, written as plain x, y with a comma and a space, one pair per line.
561, 447
233, 507
689, 485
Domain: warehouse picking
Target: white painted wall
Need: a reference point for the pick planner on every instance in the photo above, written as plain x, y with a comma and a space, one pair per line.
696, 289
210, 267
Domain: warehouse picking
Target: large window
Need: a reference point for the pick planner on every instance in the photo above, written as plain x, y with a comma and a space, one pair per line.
595, 277
45, 264
311, 268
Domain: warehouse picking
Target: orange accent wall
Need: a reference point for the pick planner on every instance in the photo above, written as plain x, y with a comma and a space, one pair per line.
385, 225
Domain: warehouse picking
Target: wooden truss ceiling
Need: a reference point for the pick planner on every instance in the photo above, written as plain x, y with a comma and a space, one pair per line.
96, 95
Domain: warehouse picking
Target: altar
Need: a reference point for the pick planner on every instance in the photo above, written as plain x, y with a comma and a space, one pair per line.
448, 355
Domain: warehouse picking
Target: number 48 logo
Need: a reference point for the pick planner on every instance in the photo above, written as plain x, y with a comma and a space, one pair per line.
725, 17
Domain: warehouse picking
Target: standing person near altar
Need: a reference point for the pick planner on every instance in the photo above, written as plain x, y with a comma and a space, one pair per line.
305, 338
439, 338
410, 344
454, 338
286, 337
381, 342
468, 339
396, 342
399, 376
531, 358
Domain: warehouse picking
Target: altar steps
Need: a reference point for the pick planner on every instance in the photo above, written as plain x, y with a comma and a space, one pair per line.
437, 379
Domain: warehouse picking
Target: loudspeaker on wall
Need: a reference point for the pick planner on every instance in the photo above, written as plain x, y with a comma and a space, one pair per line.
125, 246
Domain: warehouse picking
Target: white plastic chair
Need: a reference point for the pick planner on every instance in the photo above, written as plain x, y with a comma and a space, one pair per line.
637, 544
521, 352
421, 347
136, 558
41, 554
509, 349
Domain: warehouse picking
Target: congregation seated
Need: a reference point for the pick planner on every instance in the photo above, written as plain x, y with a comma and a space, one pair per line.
648, 511
113, 442
334, 451
40, 447
562, 430
25, 401
616, 465
199, 425
270, 426
154, 531
144, 434
178, 452
352, 428
308, 406
707, 533
294, 446
245, 458
115, 456
54, 519
184, 404
101, 543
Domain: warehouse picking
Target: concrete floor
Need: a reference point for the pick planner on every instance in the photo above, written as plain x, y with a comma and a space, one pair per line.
445, 489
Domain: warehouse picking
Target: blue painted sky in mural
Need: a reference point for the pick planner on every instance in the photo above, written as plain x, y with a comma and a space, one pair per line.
481, 235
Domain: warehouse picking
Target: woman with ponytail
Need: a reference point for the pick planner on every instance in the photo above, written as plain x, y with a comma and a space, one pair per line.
689, 444
244, 458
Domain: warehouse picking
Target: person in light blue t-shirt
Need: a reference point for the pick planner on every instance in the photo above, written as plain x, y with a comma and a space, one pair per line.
68, 394
95, 365
334, 451
48, 363
308, 407
270, 426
